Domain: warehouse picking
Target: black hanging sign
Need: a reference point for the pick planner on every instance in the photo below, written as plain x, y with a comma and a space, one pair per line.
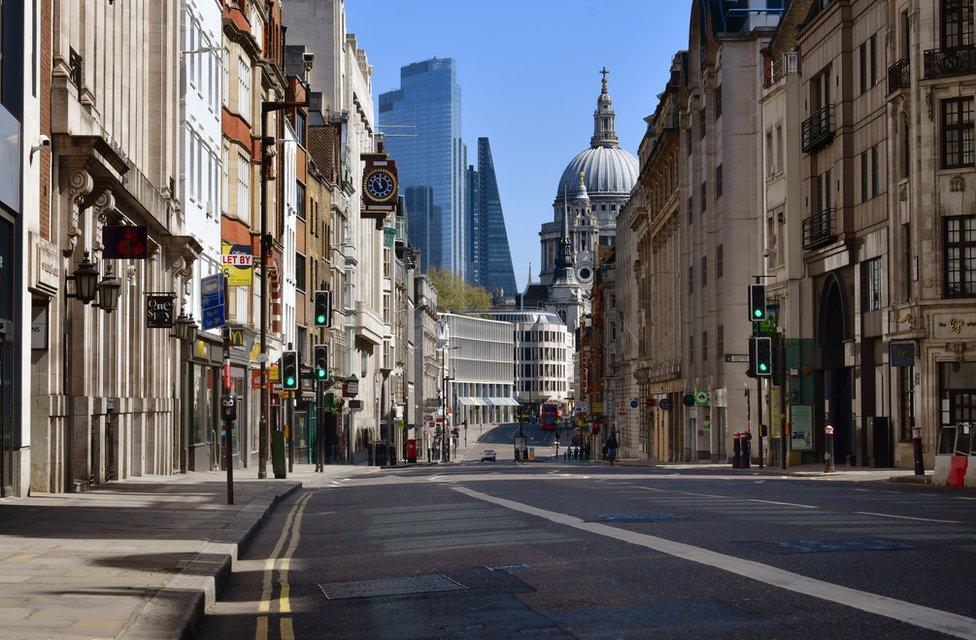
159, 310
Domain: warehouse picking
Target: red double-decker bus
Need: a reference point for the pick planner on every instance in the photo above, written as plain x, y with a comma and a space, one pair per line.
550, 415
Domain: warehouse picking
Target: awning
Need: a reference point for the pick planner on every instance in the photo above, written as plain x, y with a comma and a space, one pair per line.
500, 402
466, 402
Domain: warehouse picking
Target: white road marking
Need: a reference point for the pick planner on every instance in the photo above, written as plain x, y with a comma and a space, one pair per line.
925, 617
786, 504
891, 515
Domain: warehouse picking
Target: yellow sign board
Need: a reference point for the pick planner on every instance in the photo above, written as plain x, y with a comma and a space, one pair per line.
597, 407
273, 373
237, 263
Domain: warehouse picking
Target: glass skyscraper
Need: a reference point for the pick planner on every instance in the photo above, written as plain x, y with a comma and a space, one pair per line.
422, 120
489, 245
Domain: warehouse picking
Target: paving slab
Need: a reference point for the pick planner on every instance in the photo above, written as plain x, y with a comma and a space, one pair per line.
135, 559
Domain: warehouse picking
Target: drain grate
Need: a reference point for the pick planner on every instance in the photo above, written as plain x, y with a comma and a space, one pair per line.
832, 546
510, 568
389, 587
636, 517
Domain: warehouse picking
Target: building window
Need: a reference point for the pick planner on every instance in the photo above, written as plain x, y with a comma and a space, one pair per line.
959, 269
820, 192
957, 133
770, 163
225, 84
300, 200
719, 258
704, 346
720, 343
704, 198
872, 284
244, 88
243, 187
704, 271
957, 23
300, 127
875, 172
718, 101
691, 210
691, 280
718, 181
862, 66
299, 272
873, 59
701, 123
691, 349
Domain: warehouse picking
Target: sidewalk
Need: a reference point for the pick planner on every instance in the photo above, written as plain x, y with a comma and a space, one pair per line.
134, 559
816, 471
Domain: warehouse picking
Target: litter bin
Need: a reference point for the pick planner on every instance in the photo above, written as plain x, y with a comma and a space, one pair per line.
746, 448
736, 450
278, 454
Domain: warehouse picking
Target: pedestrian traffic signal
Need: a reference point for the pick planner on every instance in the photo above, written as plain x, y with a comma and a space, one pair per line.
757, 302
764, 356
290, 369
321, 362
323, 308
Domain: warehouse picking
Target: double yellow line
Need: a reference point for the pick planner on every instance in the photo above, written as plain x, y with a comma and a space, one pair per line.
291, 532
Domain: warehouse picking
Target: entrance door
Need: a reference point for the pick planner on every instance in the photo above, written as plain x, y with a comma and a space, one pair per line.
6, 408
837, 391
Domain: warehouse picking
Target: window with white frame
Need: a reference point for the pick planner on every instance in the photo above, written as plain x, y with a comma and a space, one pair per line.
244, 88
225, 84
243, 187
225, 179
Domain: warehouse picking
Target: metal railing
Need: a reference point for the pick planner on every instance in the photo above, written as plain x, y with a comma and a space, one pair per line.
818, 130
953, 61
818, 230
899, 76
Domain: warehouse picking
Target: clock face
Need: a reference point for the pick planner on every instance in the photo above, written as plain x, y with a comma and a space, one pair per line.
380, 185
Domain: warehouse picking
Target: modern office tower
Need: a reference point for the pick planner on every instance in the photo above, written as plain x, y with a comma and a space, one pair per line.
491, 251
422, 120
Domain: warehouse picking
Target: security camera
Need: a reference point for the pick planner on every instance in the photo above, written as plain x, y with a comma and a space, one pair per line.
42, 141
308, 58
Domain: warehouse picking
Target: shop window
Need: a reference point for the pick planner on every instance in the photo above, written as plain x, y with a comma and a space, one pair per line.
957, 133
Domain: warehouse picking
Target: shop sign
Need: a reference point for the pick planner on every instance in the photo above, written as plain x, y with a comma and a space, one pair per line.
702, 398
237, 263
665, 404
902, 354
350, 388
579, 407
212, 300
801, 427
597, 407
621, 410
45, 266
125, 242
39, 327
159, 310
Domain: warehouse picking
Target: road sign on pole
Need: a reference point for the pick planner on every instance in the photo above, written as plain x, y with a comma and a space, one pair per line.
212, 300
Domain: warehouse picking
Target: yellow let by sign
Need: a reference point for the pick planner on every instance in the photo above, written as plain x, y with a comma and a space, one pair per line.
273, 373
237, 263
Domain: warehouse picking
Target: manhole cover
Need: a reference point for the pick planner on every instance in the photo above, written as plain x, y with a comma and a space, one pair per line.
636, 517
389, 587
520, 566
831, 546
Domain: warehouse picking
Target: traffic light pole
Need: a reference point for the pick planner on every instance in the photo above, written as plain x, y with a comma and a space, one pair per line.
228, 411
759, 399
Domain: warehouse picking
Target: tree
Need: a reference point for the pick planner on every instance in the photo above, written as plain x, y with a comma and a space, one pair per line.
454, 294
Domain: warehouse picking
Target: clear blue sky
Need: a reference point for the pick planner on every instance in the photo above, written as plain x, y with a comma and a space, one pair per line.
529, 81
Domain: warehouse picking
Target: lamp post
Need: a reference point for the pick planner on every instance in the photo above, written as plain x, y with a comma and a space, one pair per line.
264, 438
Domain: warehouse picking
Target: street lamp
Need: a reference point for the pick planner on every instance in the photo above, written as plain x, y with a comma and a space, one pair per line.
108, 291
186, 328
267, 150
85, 278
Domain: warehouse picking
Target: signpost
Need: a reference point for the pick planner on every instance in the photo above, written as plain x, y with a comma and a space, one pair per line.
737, 357
159, 310
212, 301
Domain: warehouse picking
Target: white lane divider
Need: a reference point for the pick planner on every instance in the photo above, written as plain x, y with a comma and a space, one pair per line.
917, 615
891, 515
785, 504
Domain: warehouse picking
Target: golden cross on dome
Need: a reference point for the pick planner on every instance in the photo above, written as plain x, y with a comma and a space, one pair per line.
603, 72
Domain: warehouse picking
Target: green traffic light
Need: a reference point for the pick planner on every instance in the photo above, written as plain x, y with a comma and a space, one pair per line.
290, 382
757, 313
321, 373
762, 366
320, 319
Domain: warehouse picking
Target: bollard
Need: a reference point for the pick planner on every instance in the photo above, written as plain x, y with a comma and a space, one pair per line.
828, 449
746, 446
736, 450
917, 451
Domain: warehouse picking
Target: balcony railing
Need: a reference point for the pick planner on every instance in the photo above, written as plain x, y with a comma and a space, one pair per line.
898, 76
818, 230
818, 130
946, 63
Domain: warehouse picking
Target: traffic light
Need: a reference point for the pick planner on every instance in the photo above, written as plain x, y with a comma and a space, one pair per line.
764, 356
323, 308
321, 362
290, 371
757, 302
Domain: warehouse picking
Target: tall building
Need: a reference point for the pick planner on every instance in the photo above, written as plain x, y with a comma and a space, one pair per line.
491, 256
424, 118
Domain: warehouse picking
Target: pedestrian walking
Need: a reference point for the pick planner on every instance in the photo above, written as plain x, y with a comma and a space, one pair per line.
612, 448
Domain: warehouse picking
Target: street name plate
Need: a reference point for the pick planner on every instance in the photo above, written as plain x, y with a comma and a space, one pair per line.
737, 357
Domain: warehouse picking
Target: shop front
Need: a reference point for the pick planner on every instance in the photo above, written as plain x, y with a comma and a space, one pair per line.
9, 430
203, 436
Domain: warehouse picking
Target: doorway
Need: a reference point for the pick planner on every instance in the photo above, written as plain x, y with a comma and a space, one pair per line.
837, 391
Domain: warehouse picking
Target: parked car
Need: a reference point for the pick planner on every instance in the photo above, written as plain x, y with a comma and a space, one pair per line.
488, 455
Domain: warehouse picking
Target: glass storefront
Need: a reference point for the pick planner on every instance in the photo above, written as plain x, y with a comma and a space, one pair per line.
8, 436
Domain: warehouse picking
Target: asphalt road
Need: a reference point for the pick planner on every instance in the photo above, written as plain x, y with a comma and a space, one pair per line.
501, 439
584, 551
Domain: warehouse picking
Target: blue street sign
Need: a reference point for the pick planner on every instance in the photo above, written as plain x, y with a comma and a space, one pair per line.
212, 300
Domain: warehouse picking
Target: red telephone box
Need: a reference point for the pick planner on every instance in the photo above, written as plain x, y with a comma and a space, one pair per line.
412, 450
